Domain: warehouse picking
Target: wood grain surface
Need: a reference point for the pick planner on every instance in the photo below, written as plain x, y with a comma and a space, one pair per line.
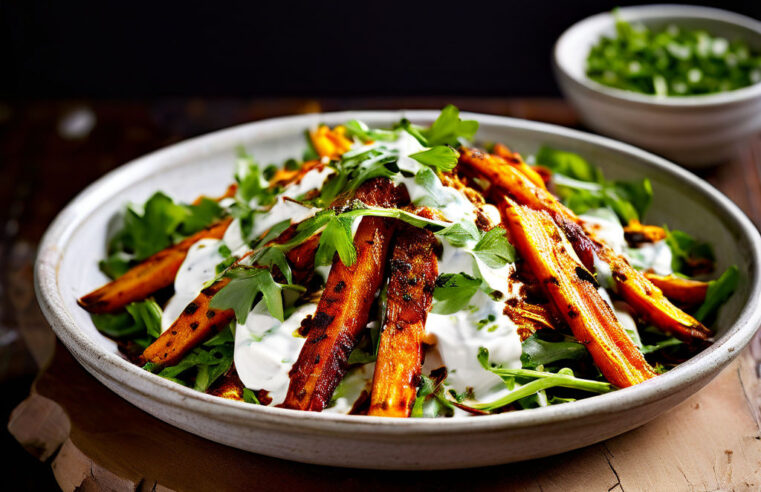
96, 441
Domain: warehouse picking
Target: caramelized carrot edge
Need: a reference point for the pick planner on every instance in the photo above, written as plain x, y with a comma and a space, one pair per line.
413, 270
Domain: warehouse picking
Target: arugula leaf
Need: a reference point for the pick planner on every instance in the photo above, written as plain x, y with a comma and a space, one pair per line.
200, 216
448, 129
719, 291
494, 249
140, 318
337, 237
246, 284
534, 382
582, 187
568, 164
687, 251
453, 292
538, 352
441, 157
430, 401
151, 231
158, 224
209, 363
251, 182
360, 130
250, 397
660, 344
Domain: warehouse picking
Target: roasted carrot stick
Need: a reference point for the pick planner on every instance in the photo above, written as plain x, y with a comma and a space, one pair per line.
343, 309
515, 160
571, 289
645, 298
199, 321
413, 270
680, 290
154, 273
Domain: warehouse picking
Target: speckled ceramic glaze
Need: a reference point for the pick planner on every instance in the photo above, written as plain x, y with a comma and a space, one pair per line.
67, 268
694, 130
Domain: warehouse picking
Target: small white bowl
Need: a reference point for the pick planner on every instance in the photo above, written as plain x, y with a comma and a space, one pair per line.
695, 131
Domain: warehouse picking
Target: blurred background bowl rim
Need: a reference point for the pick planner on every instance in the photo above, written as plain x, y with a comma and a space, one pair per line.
663, 11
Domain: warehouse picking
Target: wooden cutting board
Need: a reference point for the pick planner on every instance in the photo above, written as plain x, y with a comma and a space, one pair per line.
97, 441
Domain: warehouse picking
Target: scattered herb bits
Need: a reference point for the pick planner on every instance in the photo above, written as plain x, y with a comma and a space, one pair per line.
675, 61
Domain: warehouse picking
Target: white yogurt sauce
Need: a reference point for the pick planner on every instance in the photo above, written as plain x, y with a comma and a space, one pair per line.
198, 268
649, 256
266, 349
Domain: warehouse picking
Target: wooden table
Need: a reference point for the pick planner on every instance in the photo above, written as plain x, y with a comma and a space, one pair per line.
95, 440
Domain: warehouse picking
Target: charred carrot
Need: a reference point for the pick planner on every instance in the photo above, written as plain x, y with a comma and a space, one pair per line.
344, 306
645, 298
680, 290
413, 270
514, 159
199, 321
572, 290
149, 276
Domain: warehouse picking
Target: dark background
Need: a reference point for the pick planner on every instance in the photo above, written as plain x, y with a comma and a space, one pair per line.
142, 49
152, 73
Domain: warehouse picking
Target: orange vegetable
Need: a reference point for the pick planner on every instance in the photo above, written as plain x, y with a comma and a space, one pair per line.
646, 299
514, 159
149, 276
199, 321
330, 143
680, 290
637, 232
344, 306
412, 279
572, 290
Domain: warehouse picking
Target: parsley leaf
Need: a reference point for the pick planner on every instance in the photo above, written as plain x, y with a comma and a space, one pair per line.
251, 182
441, 157
246, 284
448, 128
453, 292
494, 249
141, 319
337, 237
250, 397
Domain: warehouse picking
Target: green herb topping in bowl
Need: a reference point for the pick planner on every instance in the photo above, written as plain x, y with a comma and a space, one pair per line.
672, 62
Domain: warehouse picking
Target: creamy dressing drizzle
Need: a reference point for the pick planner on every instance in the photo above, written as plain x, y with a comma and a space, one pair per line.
265, 349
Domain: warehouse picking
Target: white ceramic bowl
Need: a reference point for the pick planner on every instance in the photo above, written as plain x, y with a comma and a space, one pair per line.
694, 130
67, 267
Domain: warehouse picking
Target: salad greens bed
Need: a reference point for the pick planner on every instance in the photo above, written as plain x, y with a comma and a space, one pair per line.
672, 62
555, 367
